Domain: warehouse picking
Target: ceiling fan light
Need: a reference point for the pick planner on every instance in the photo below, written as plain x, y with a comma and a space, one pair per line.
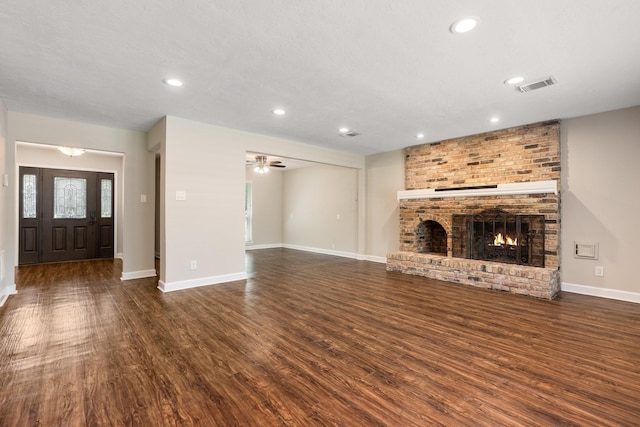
261, 169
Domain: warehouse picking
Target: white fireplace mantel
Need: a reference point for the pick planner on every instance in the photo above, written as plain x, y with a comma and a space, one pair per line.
537, 187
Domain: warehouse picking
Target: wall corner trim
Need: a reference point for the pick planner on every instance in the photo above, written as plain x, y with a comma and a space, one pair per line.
131, 275
601, 292
203, 281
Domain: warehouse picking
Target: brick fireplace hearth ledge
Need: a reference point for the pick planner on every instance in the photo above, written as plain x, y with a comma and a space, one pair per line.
517, 279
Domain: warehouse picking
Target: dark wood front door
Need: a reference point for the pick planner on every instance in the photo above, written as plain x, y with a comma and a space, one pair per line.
65, 215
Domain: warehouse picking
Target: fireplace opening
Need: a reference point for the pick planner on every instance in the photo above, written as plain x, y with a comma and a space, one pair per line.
431, 238
495, 235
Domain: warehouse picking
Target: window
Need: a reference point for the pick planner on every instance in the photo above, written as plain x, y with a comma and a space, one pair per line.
248, 212
29, 192
70, 197
105, 198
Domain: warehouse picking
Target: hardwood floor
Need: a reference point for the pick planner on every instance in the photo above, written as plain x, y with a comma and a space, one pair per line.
310, 340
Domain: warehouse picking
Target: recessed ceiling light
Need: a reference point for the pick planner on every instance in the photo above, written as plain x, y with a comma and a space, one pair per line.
343, 130
494, 119
420, 136
514, 80
464, 25
173, 82
279, 112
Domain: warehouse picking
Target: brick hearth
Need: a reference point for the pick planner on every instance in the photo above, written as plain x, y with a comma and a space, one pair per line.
523, 154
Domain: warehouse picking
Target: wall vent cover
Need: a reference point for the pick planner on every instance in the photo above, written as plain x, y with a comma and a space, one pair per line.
537, 85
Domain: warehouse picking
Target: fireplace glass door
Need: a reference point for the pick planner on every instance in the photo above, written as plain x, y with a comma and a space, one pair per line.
495, 235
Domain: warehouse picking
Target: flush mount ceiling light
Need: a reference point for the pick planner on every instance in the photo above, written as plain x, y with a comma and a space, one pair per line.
343, 130
420, 136
279, 112
173, 82
494, 119
514, 80
72, 151
464, 25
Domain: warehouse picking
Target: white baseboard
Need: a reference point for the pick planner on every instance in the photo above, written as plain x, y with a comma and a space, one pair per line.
380, 259
322, 251
120, 255
131, 275
203, 281
250, 247
372, 258
6, 292
601, 292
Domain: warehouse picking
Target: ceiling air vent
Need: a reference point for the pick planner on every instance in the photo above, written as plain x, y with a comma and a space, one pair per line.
537, 85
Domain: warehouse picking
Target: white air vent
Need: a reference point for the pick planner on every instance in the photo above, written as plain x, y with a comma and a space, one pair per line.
586, 250
537, 85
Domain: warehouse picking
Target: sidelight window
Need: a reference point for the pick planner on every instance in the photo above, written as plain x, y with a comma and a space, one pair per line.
106, 198
29, 191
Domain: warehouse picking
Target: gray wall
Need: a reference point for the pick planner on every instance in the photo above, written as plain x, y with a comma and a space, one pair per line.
600, 199
267, 207
208, 163
320, 209
385, 176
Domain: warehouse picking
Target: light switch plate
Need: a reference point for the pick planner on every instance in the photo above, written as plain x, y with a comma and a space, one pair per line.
181, 195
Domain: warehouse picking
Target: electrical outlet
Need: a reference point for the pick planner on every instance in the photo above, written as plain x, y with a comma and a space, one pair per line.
599, 270
194, 264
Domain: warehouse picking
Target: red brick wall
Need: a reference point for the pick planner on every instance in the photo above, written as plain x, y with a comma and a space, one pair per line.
520, 154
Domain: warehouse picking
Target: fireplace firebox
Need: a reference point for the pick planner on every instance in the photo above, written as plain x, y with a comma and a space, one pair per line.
431, 237
495, 235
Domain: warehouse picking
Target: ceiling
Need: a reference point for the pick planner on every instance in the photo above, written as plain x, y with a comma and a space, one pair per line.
387, 69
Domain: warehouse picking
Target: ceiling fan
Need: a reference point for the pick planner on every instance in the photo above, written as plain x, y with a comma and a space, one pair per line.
262, 165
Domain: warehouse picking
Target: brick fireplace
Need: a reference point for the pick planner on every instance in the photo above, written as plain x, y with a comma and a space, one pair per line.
460, 194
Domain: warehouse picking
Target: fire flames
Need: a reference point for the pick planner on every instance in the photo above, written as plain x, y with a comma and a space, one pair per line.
499, 240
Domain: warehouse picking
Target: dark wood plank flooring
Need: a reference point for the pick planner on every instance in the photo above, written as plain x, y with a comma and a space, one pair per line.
310, 340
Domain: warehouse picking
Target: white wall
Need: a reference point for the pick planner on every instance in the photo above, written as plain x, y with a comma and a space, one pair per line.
7, 286
138, 178
38, 155
600, 201
320, 209
385, 176
207, 227
267, 208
